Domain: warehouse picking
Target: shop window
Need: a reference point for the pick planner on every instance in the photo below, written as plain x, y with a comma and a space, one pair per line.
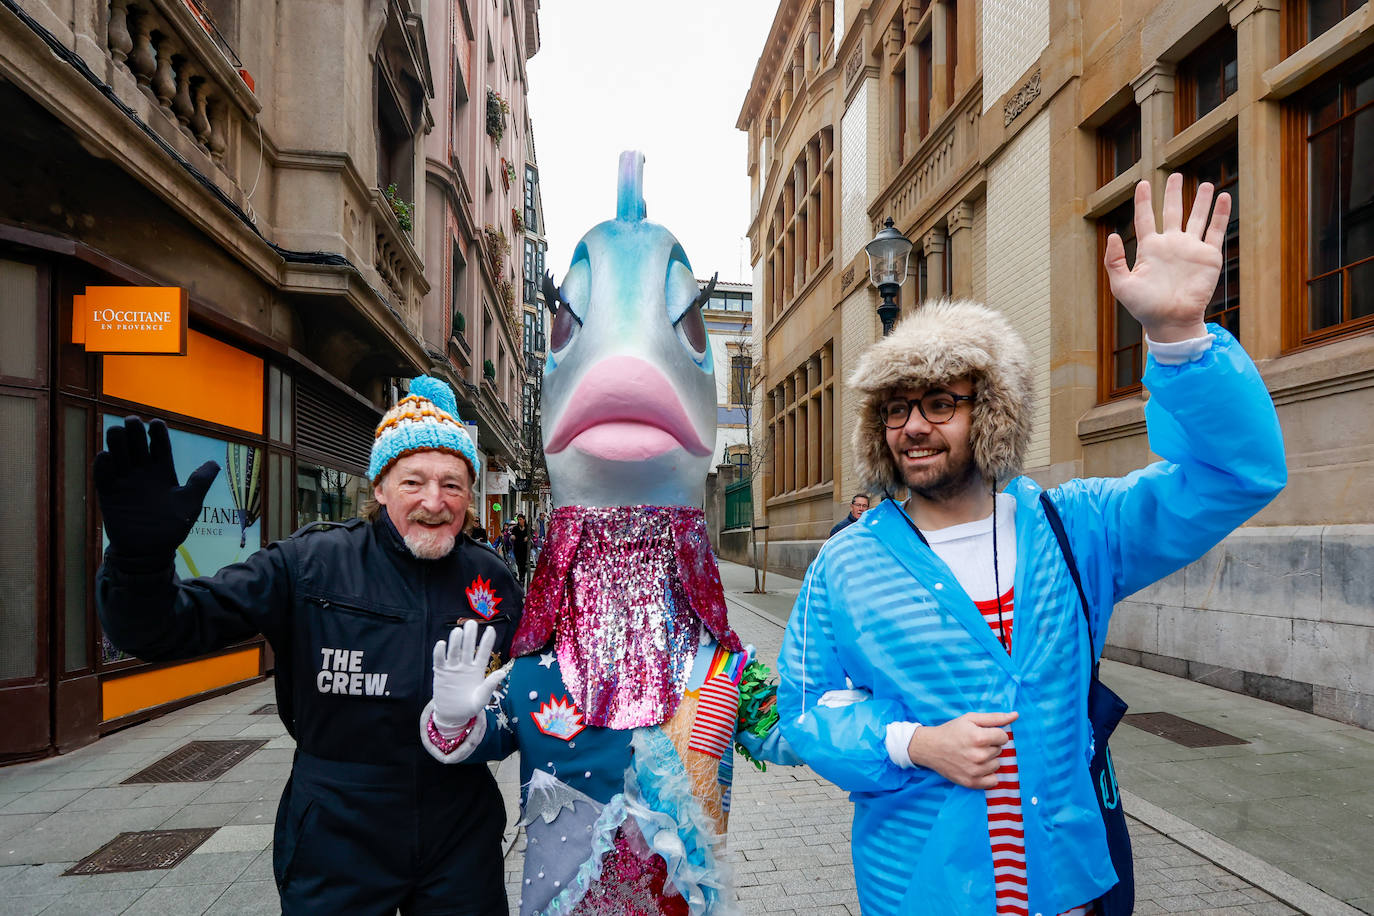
76, 573
1221, 169
1118, 144
326, 494
229, 527
20, 302
1122, 353
1336, 294
1205, 78
281, 404
1308, 19
19, 547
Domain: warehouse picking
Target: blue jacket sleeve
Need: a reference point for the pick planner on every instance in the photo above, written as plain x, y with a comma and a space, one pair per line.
1213, 423
846, 744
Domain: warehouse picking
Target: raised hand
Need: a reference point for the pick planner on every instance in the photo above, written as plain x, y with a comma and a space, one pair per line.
964, 750
1176, 270
462, 687
146, 513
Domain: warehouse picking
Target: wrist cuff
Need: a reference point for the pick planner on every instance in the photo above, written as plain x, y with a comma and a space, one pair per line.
898, 740
445, 739
1180, 351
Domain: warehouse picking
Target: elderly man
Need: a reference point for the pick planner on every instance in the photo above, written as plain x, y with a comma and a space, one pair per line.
368, 822
937, 661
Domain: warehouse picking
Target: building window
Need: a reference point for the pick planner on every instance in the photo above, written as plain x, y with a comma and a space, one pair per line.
1221, 169
1205, 79
455, 293
395, 141
741, 365
531, 271
1337, 296
1307, 19
800, 231
1123, 341
531, 217
1118, 144
738, 457
800, 422
924, 56
951, 49
528, 339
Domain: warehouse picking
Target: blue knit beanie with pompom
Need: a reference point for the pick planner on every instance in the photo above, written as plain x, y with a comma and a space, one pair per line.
426, 419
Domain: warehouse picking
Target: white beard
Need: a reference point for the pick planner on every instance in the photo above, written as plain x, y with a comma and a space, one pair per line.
430, 545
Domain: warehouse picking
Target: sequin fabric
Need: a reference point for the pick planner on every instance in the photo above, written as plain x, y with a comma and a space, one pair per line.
626, 590
631, 885
446, 745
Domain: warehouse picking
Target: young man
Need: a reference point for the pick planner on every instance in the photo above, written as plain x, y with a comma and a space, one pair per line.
857, 507
368, 822
936, 663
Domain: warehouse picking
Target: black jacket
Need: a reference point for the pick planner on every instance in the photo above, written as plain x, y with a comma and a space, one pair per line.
353, 617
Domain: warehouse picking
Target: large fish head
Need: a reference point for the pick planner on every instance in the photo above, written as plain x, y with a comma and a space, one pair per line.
629, 392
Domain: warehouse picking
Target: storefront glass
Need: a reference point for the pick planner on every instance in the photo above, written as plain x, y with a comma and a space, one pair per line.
229, 528
327, 495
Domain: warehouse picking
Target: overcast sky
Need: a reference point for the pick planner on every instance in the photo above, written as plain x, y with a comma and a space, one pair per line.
664, 78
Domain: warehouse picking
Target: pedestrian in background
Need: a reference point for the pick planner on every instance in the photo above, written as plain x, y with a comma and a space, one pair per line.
857, 507
520, 546
964, 749
368, 821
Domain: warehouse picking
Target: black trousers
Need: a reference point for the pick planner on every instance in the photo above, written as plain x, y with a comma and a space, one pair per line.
351, 838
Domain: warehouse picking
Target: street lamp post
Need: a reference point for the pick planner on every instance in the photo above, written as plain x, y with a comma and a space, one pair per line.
887, 256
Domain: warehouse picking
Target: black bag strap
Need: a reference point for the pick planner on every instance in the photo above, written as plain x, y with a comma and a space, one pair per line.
1062, 536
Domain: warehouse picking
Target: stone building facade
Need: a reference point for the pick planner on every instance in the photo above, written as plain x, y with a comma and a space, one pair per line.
1004, 137
307, 174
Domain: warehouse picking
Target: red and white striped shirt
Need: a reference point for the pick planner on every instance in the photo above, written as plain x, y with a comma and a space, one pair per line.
967, 550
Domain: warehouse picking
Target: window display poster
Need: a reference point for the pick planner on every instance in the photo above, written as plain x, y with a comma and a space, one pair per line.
229, 527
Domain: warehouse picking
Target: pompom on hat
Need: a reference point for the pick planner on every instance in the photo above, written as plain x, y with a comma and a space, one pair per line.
426, 419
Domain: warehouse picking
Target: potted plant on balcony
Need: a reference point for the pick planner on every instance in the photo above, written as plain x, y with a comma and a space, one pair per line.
517, 220
489, 369
460, 323
404, 212
498, 246
497, 110
507, 172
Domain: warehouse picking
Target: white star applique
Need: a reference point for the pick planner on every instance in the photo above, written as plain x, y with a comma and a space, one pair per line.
502, 720
546, 660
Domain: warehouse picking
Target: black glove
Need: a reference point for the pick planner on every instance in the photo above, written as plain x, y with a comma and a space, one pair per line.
146, 514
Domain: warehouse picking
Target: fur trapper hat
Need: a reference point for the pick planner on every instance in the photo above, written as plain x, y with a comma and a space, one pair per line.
940, 342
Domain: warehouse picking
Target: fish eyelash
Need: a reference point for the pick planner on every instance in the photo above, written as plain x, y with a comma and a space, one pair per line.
553, 297
704, 296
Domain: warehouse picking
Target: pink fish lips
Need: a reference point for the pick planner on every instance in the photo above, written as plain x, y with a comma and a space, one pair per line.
624, 409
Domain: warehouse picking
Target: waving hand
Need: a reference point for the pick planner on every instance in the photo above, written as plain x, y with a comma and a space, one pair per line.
1176, 269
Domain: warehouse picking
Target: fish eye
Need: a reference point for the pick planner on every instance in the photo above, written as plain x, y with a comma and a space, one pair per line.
569, 302
684, 308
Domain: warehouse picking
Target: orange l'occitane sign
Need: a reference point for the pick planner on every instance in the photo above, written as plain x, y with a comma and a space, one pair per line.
130, 319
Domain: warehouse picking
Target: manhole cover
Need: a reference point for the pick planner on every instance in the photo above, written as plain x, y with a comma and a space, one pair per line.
1180, 730
199, 761
269, 710
142, 851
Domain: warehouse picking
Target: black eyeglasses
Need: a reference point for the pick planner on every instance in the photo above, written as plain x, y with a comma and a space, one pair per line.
935, 406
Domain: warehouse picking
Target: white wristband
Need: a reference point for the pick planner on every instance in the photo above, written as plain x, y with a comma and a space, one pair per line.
1180, 351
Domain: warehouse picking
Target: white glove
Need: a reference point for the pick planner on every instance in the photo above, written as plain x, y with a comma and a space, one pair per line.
462, 687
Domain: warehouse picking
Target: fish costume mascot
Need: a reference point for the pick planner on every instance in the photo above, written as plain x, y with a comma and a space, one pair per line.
628, 692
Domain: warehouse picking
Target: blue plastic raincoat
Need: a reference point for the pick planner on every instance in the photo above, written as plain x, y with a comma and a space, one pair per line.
880, 610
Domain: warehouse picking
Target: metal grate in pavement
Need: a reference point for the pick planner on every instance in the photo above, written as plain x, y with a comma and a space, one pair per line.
142, 851
1180, 730
199, 761
269, 710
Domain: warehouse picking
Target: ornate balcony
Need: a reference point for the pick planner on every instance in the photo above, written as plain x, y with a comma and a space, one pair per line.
169, 53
